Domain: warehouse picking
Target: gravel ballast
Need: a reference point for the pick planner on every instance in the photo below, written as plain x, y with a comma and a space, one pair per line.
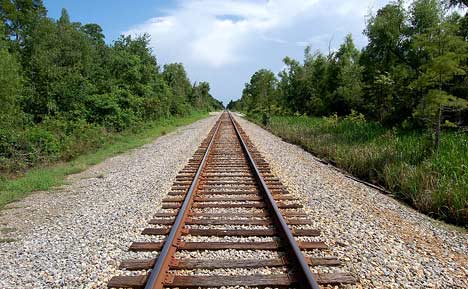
382, 242
76, 236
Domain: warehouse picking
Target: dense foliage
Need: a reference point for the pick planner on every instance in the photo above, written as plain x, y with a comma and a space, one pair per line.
63, 89
413, 72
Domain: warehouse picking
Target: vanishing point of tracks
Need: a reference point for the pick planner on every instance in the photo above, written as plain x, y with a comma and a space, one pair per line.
229, 222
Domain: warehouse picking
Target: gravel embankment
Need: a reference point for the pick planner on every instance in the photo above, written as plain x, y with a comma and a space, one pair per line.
76, 236
380, 241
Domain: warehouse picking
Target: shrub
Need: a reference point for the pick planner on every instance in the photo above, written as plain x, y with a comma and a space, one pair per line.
401, 161
40, 141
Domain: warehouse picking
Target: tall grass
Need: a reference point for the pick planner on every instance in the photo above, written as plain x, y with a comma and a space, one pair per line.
13, 188
401, 161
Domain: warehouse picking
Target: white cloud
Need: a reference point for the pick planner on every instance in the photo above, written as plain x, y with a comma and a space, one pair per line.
220, 44
224, 41
202, 31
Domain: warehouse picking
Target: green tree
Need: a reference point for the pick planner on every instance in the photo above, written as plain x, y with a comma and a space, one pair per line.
59, 66
175, 76
20, 17
424, 14
11, 85
382, 96
349, 75
132, 64
447, 55
200, 97
61, 84
94, 32
316, 89
291, 85
386, 32
260, 93
388, 57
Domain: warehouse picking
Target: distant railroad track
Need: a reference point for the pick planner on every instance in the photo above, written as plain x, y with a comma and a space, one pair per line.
227, 199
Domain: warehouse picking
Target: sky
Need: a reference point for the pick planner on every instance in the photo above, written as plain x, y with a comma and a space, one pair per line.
225, 41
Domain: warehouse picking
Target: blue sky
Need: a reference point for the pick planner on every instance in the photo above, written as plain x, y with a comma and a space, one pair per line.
225, 41
114, 16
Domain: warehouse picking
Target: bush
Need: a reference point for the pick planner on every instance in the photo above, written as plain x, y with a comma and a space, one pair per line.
52, 140
39, 141
401, 161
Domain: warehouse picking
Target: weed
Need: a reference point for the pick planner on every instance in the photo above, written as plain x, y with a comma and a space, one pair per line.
7, 240
7, 230
45, 178
401, 161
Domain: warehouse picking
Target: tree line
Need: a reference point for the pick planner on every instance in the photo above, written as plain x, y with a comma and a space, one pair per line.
412, 73
60, 79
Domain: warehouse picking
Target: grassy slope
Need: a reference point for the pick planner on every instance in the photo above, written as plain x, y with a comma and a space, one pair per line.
402, 162
45, 178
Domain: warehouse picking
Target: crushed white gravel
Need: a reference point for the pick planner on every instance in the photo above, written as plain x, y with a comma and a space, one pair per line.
382, 242
230, 254
76, 236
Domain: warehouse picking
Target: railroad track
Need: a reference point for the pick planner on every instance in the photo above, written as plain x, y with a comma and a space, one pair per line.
228, 221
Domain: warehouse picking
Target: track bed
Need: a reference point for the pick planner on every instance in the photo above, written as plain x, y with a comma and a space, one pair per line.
228, 221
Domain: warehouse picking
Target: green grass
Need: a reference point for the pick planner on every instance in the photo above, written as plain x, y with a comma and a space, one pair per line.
7, 240
401, 161
7, 230
45, 178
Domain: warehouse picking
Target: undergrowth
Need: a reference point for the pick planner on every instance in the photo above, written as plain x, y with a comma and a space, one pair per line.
401, 161
86, 152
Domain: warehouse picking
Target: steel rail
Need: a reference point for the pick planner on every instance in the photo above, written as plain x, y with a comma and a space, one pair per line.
305, 277
158, 273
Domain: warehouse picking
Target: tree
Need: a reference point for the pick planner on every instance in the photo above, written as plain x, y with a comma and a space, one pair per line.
387, 38
20, 17
391, 62
175, 76
132, 64
11, 80
59, 66
447, 54
291, 85
94, 32
349, 75
388, 56
260, 93
200, 94
424, 14
63, 88
318, 84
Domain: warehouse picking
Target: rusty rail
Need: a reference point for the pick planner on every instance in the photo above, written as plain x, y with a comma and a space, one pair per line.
161, 266
227, 172
306, 279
